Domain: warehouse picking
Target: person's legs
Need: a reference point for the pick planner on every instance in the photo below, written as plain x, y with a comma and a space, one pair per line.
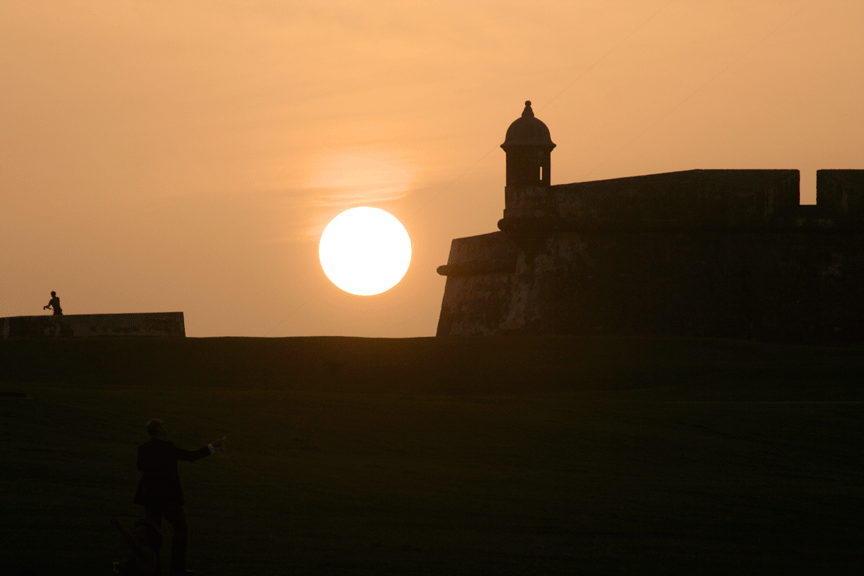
175, 516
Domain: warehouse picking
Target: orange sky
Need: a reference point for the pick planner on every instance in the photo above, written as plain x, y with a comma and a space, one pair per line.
186, 156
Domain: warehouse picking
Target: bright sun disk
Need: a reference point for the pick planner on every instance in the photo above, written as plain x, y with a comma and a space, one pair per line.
365, 251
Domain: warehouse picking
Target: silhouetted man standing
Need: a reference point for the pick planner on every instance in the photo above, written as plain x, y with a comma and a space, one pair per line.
55, 304
159, 489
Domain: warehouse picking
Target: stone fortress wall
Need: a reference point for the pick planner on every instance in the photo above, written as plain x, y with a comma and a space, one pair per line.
159, 324
713, 253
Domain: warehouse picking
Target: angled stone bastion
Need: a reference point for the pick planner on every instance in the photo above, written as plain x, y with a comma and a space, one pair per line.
711, 253
160, 324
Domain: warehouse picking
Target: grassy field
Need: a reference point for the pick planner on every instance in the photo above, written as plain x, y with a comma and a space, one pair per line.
443, 456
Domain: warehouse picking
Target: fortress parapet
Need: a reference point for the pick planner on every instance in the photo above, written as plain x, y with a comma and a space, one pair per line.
840, 194
699, 200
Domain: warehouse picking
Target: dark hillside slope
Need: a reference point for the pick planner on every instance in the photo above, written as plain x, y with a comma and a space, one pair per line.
715, 369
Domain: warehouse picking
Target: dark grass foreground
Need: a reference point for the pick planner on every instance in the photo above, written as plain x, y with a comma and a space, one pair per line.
443, 456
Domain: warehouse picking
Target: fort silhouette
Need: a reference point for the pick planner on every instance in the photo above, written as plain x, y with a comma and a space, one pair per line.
710, 253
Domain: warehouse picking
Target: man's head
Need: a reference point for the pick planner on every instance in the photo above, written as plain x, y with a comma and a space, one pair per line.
156, 428
53, 293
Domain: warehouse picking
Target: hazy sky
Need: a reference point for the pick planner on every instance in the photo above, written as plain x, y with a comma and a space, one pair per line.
186, 156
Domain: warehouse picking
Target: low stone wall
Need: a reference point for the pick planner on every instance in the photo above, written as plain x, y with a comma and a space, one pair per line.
160, 324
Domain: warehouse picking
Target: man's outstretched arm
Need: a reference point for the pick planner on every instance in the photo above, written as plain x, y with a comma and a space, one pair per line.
193, 455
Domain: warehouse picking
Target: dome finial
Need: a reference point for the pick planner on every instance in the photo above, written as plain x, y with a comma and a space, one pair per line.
528, 131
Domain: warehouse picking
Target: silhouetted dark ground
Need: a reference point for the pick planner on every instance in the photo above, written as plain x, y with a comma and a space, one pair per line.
443, 456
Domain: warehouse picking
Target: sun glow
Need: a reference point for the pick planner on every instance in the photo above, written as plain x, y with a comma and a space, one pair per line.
365, 251
355, 177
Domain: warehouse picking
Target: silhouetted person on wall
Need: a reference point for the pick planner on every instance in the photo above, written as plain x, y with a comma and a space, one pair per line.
159, 489
144, 541
55, 304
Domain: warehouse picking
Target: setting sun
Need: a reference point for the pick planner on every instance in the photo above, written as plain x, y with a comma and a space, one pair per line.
365, 251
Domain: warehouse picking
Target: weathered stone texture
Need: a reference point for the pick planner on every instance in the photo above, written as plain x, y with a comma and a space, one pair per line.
479, 277
723, 253
160, 324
